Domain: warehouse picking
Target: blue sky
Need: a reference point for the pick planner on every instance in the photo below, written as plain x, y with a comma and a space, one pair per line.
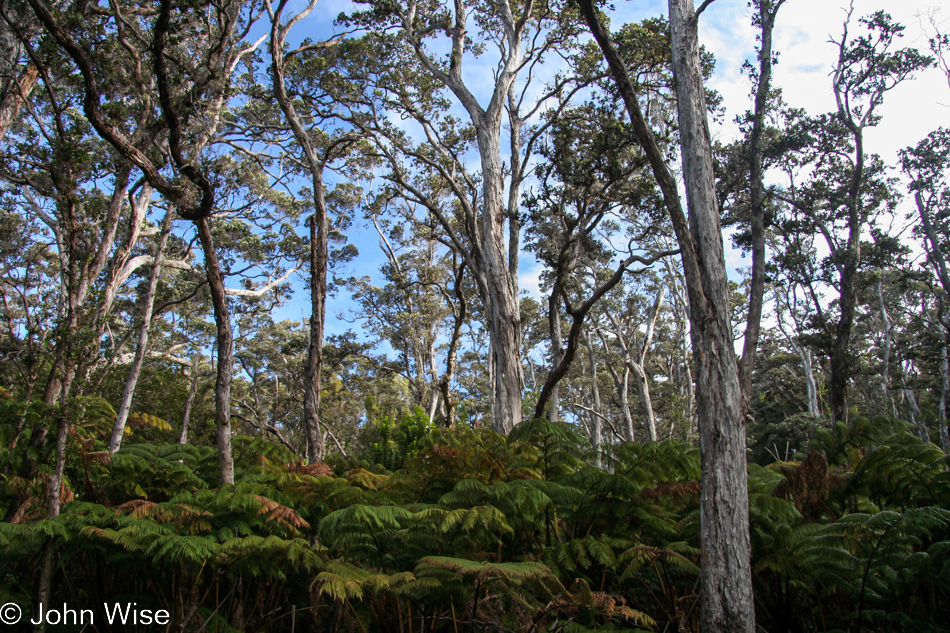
802, 34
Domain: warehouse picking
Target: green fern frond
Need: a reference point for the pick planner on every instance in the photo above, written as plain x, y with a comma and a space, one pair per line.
341, 581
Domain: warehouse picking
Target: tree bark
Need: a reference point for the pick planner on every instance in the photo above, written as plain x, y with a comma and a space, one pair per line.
557, 352
224, 349
319, 227
141, 348
913, 410
726, 574
488, 256
639, 368
622, 387
888, 326
766, 20
563, 358
190, 400
811, 386
314, 366
503, 310
460, 315
597, 433
54, 502
16, 96
944, 392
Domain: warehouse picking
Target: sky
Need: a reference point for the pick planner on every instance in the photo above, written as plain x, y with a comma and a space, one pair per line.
803, 32
802, 38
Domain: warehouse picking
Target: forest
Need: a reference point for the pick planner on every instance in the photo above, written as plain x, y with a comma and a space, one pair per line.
384, 316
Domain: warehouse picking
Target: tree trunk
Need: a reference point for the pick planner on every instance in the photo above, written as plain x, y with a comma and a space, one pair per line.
913, 410
557, 348
643, 391
503, 310
840, 360
597, 434
54, 502
190, 401
314, 365
916, 418
319, 253
622, 387
888, 328
811, 386
726, 574
639, 367
766, 20
944, 392
17, 93
125, 405
461, 313
225, 352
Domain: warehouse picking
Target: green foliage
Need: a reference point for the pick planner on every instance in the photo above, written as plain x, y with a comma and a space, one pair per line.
398, 438
483, 532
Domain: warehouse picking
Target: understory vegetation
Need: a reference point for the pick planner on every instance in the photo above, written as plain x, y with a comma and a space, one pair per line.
474, 531
396, 316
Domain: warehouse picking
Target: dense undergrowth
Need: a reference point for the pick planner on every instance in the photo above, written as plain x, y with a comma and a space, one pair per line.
479, 532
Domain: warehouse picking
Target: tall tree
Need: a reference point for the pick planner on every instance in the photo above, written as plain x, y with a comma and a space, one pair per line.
592, 193
847, 186
764, 18
927, 166
726, 573
192, 80
316, 160
416, 84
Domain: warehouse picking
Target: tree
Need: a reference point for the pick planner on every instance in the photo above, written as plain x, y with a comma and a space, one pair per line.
726, 568
317, 152
592, 193
926, 165
847, 187
412, 311
414, 81
186, 85
758, 212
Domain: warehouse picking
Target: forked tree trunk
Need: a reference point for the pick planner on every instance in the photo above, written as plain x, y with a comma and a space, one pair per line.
638, 366
811, 385
622, 387
488, 256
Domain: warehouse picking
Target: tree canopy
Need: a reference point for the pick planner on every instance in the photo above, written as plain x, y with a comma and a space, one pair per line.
426, 317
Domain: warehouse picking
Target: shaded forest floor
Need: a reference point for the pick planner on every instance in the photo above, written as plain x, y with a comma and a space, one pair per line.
472, 531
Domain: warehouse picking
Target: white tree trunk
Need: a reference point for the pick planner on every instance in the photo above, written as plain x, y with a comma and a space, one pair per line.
125, 406
726, 572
